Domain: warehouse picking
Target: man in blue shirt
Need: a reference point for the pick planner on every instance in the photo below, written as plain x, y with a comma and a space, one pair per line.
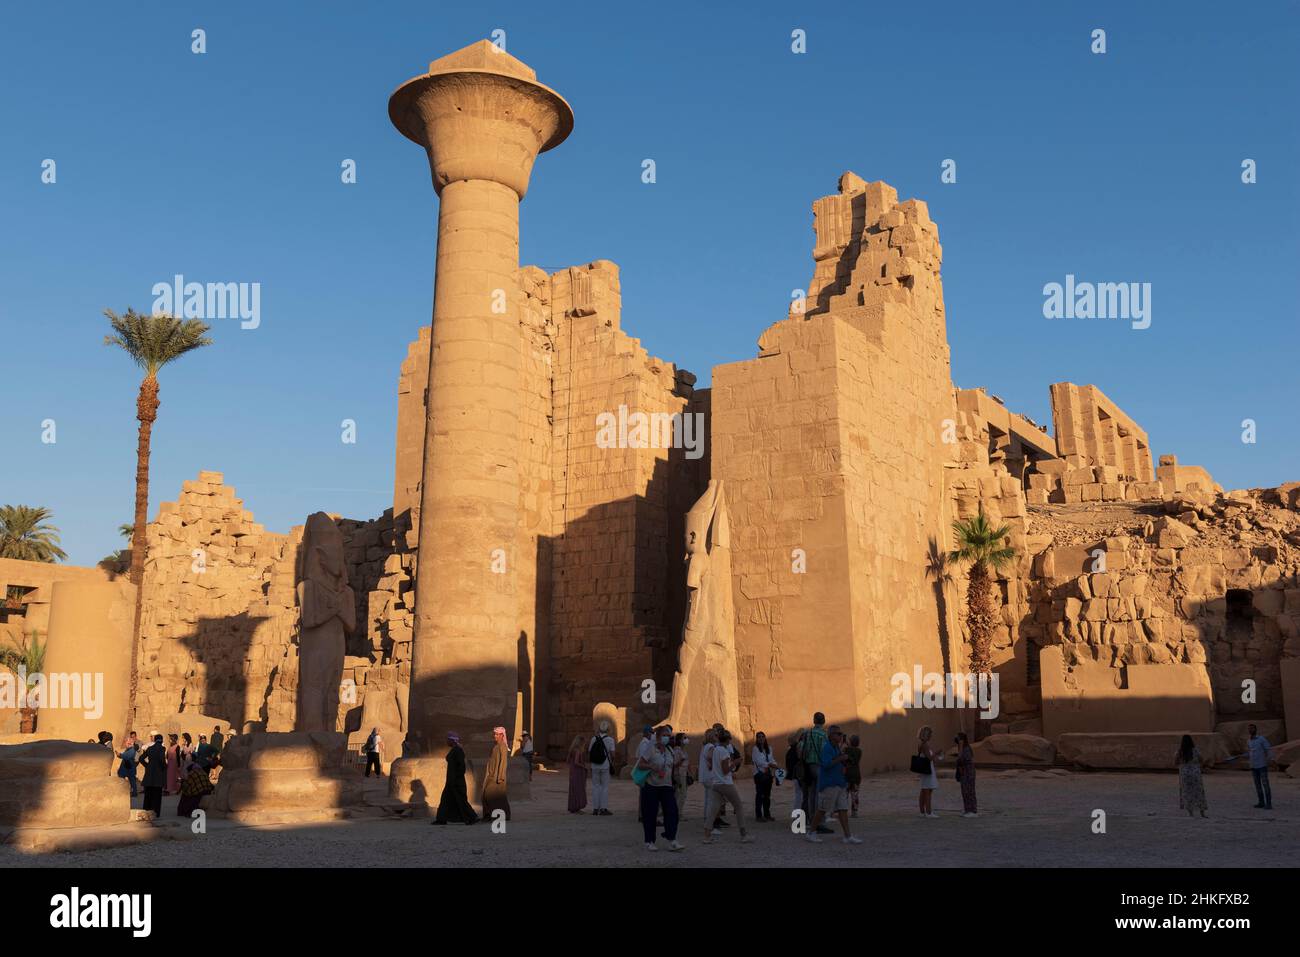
1258, 749
832, 788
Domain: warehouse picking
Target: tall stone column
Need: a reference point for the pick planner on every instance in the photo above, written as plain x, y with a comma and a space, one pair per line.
483, 119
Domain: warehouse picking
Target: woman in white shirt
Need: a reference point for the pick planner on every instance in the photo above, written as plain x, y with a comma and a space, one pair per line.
764, 775
722, 764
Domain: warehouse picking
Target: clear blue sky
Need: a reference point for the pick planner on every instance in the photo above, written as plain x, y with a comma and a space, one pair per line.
226, 167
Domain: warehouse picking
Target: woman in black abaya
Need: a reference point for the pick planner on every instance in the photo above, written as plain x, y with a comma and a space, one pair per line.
454, 805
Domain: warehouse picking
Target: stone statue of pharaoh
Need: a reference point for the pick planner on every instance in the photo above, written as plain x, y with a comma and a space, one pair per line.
327, 613
705, 685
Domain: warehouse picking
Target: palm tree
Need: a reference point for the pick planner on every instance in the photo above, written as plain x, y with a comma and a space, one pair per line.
29, 655
25, 534
119, 561
152, 342
981, 545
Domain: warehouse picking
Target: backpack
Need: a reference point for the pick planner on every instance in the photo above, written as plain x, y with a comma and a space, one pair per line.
812, 749
370, 743
598, 754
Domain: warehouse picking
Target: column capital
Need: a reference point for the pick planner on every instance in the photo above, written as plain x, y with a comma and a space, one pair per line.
481, 114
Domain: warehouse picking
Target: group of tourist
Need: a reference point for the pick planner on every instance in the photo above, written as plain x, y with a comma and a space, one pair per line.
823, 764
177, 767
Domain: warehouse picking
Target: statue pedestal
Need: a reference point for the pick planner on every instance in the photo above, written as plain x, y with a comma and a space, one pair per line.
420, 781
286, 777
61, 784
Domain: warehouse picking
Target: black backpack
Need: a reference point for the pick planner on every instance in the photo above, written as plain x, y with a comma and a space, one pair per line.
598, 754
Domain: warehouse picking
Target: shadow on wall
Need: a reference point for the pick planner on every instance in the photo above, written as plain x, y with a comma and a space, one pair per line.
239, 679
221, 646
476, 714
1249, 646
618, 602
848, 257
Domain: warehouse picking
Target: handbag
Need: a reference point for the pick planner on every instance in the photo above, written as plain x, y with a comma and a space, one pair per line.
639, 776
921, 764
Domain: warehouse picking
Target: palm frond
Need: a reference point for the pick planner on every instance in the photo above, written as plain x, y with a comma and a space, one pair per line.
154, 341
979, 542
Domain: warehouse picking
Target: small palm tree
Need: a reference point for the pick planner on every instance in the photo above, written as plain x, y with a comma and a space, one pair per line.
118, 562
26, 534
29, 656
152, 342
980, 545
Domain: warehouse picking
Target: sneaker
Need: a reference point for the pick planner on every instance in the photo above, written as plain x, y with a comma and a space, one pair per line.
715, 833
674, 846
651, 847
851, 840
932, 814
747, 839
970, 814
812, 839
607, 812
707, 840
1257, 805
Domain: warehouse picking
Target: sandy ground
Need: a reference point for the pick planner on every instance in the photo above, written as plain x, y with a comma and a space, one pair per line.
1025, 820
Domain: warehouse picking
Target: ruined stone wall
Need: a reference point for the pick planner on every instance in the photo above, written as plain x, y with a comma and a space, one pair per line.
1156, 610
895, 398
1211, 580
219, 624
534, 545
218, 610
412, 401
830, 446
1092, 430
610, 552
1062, 484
